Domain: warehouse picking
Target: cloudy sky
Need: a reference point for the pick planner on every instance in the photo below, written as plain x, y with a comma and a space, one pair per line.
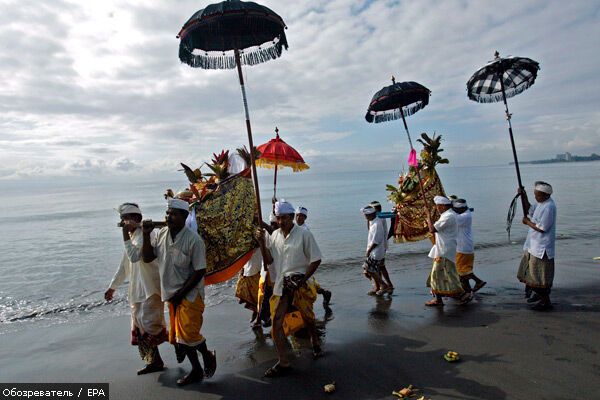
95, 88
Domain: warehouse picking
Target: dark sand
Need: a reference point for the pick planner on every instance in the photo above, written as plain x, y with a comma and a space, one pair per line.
373, 345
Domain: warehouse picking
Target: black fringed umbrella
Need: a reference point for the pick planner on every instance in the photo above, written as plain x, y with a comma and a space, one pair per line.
228, 34
396, 101
499, 80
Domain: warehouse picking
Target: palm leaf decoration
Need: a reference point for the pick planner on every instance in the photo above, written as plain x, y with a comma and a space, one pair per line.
245, 154
219, 166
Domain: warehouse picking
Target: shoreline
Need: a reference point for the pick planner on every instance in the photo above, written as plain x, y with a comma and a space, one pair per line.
373, 346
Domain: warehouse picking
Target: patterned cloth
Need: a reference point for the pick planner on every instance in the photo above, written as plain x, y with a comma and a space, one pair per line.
410, 224
464, 263
186, 322
444, 279
373, 266
517, 73
246, 290
227, 222
302, 300
536, 272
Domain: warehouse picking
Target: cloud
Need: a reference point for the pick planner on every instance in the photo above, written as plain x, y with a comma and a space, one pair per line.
97, 88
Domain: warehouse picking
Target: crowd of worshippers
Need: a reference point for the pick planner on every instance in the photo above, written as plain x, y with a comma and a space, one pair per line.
453, 250
168, 266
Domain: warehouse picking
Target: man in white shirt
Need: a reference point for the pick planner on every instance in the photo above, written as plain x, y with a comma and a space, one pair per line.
301, 216
537, 265
148, 328
375, 254
182, 264
465, 249
295, 255
385, 277
443, 279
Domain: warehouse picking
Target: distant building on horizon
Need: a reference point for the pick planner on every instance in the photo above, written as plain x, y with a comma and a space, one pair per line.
564, 157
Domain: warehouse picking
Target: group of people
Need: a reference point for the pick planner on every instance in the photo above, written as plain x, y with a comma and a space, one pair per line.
453, 250
168, 266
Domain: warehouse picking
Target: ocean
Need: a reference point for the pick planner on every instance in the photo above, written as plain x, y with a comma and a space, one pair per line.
61, 245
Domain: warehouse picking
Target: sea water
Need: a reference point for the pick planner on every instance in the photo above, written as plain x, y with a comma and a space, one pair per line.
60, 245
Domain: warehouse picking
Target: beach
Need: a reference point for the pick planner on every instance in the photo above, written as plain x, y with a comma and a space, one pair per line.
373, 346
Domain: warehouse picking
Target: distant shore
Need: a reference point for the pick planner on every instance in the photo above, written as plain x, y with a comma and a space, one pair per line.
373, 346
571, 159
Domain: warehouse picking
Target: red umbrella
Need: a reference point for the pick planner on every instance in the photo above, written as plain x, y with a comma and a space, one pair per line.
277, 153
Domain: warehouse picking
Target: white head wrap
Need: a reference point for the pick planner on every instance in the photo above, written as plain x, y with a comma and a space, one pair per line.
282, 207
543, 187
178, 204
442, 201
375, 203
368, 210
129, 208
272, 218
302, 210
459, 203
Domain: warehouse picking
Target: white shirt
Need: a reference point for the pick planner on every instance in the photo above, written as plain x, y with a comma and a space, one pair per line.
445, 237
464, 241
252, 267
144, 280
304, 226
177, 260
543, 215
376, 236
292, 254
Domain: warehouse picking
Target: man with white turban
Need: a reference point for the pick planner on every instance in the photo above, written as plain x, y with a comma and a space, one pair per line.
537, 265
465, 249
375, 254
295, 255
301, 216
148, 328
182, 264
443, 279
385, 276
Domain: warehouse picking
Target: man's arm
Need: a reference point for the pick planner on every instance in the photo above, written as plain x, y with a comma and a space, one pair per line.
266, 253
530, 224
189, 284
117, 279
312, 268
147, 250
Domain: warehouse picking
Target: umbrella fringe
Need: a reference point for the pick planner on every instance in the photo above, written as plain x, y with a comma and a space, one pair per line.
497, 96
217, 60
394, 114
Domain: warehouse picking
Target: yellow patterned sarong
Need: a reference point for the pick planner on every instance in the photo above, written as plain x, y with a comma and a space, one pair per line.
303, 301
246, 290
464, 263
444, 279
186, 322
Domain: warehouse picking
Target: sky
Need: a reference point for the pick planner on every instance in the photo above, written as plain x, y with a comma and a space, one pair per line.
95, 89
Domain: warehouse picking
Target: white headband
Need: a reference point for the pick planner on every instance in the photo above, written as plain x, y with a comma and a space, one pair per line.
460, 203
368, 210
129, 208
283, 207
543, 187
302, 210
178, 204
442, 201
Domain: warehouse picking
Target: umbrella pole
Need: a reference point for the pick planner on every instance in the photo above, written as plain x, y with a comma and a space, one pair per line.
249, 129
417, 169
512, 143
275, 183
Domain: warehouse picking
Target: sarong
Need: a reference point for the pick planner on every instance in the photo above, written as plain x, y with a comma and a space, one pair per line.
186, 322
265, 289
444, 279
373, 266
464, 263
536, 272
246, 290
302, 301
148, 328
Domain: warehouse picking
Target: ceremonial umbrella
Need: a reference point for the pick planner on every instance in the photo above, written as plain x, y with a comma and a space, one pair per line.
277, 153
500, 79
228, 34
396, 101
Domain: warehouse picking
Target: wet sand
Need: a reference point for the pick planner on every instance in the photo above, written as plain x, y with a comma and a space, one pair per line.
373, 346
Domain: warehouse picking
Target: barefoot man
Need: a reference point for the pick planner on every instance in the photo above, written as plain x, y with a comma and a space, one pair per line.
537, 265
375, 254
444, 280
182, 264
465, 249
147, 309
385, 276
295, 255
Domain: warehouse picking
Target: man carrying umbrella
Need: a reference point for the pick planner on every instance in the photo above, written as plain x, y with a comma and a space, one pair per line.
182, 264
295, 255
537, 265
